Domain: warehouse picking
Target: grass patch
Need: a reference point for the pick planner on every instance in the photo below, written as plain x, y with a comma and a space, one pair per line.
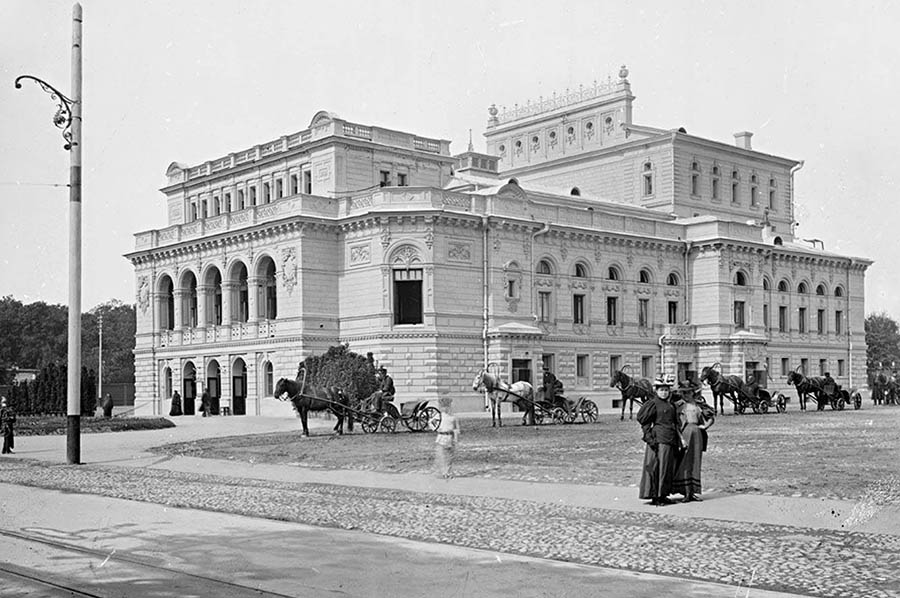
47, 425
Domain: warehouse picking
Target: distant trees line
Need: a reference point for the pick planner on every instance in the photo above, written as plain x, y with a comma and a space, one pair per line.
35, 335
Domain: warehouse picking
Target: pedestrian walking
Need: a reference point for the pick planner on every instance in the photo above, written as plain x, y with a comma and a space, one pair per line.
658, 423
694, 420
447, 439
7, 424
204, 403
108, 405
175, 409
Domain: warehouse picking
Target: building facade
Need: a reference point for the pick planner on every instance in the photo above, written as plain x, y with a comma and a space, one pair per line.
580, 242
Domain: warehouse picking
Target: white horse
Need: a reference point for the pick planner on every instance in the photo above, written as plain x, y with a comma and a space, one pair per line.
520, 393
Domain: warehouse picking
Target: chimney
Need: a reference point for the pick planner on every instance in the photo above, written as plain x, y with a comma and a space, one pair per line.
742, 139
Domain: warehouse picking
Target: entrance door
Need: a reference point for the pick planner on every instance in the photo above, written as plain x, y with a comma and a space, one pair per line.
751, 373
212, 385
190, 395
521, 370
239, 395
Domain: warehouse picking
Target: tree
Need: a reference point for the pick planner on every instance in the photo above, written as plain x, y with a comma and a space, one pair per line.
118, 340
883, 342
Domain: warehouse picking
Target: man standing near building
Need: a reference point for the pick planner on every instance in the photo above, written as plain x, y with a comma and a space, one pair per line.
7, 423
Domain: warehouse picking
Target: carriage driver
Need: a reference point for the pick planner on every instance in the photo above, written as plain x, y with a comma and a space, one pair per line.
385, 390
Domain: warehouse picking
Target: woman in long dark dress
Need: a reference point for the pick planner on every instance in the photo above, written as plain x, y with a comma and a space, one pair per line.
657, 419
694, 421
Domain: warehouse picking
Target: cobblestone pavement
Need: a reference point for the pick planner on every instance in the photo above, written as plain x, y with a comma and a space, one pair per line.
783, 558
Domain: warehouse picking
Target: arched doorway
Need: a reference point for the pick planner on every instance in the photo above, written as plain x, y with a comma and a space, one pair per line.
189, 387
239, 387
268, 295
213, 386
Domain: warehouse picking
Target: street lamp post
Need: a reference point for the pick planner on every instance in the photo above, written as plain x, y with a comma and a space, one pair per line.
68, 118
100, 361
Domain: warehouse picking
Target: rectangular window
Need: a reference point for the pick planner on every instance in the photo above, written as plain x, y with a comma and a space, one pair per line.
647, 366
581, 368
785, 366
766, 315
279, 188
643, 313
801, 320
217, 206
782, 318
823, 366
193, 212
228, 202
838, 321
804, 366
820, 321
673, 312
648, 184
511, 290
612, 308
543, 306
253, 196
734, 192
578, 309
401, 179
753, 196
385, 179
240, 199
267, 192
739, 321
615, 364
715, 188
408, 296
771, 199
547, 362
695, 184
295, 184
307, 182
840, 371
203, 212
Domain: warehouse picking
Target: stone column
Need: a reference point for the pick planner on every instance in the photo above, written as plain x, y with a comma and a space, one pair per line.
254, 284
180, 295
203, 294
227, 300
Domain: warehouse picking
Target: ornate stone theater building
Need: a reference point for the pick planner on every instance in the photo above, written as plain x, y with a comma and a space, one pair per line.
579, 241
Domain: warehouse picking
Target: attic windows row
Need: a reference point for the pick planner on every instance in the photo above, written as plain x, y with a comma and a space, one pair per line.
237, 199
735, 180
385, 179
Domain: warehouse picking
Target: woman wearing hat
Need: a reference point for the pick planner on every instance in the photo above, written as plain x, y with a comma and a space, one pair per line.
657, 419
694, 417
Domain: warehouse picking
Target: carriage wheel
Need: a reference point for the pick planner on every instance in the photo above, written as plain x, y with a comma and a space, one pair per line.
538, 416
840, 404
755, 407
834, 404
416, 422
739, 408
388, 424
571, 415
781, 404
369, 424
857, 401
558, 415
763, 406
589, 412
432, 418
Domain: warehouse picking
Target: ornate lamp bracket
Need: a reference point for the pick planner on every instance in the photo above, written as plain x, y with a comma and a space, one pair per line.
63, 117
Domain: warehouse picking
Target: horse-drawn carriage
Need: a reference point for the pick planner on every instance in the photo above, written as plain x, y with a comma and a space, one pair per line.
385, 415
743, 394
536, 407
824, 390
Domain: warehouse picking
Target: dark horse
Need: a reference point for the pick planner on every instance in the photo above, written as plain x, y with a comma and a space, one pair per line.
812, 386
315, 398
722, 386
637, 389
520, 393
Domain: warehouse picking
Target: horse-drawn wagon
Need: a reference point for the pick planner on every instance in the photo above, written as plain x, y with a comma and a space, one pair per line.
824, 390
417, 416
744, 395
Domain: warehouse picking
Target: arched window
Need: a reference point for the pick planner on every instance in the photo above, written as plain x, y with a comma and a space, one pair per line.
544, 267
740, 279
766, 284
212, 296
672, 279
820, 290
783, 286
167, 384
166, 305
189, 300
644, 276
580, 271
240, 295
838, 291
613, 273
268, 304
268, 379
802, 288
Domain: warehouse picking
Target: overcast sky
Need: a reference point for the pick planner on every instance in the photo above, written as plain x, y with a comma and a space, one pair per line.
193, 81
